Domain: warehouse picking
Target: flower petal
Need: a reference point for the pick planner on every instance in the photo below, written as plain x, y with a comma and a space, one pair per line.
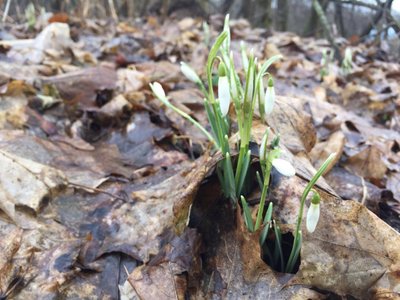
158, 90
284, 167
312, 217
224, 96
269, 99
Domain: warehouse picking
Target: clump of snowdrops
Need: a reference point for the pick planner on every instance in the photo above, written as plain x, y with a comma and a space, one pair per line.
232, 173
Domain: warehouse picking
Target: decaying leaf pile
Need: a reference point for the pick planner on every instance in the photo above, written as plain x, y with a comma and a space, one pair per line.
104, 193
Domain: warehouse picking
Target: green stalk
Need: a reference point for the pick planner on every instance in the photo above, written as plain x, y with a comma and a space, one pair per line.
211, 119
260, 182
296, 251
211, 56
189, 118
228, 172
247, 215
267, 224
243, 174
263, 195
297, 238
278, 245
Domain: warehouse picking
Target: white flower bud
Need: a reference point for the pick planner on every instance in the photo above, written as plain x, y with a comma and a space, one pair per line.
269, 97
224, 96
312, 217
348, 55
284, 167
189, 73
158, 90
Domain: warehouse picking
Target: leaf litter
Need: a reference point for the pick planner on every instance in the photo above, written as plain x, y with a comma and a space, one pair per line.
106, 194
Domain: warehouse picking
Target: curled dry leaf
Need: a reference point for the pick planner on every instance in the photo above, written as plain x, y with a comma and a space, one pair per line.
24, 184
294, 125
368, 164
81, 86
352, 252
322, 150
81, 167
158, 208
164, 275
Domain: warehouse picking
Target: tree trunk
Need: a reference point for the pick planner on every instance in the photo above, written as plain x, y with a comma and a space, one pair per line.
325, 25
339, 18
282, 14
313, 26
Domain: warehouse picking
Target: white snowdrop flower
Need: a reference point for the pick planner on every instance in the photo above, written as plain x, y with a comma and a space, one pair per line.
269, 97
284, 167
224, 96
312, 217
313, 212
158, 90
189, 72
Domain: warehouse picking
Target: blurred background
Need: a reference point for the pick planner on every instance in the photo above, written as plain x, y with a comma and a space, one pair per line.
347, 18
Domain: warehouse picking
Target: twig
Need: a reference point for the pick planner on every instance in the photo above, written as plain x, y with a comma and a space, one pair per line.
365, 191
6, 11
112, 9
95, 190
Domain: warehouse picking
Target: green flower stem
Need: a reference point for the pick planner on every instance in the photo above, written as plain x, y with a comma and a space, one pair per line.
189, 118
278, 253
297, 238
263, 195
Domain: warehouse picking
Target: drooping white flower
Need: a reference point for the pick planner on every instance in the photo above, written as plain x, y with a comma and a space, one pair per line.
269, 97
284, 167
158, 90
224, 94
189, 73
313, 212
312, 217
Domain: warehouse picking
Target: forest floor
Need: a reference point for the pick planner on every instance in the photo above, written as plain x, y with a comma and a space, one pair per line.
107, 194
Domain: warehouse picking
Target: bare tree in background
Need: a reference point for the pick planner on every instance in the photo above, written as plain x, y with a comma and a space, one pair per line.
313, 26
339, 18
282, 15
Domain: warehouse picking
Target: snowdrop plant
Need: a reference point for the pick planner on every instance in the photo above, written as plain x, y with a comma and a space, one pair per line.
276, 258
268, 159
347, 63
312, 216
230, 89
326, 61
240, 96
